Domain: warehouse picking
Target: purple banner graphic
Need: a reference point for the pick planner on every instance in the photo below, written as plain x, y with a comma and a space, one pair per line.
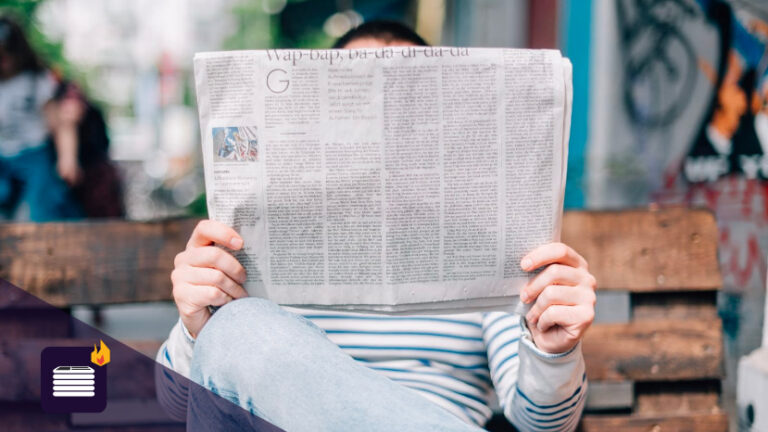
48, 373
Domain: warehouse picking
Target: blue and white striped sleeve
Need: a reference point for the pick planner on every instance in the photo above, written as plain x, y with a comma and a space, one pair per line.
174, 354
537, 391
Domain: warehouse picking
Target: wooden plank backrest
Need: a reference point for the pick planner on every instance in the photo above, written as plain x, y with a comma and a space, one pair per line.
638, 251
666, 260
122, 261
671, 349
93, 262
647, 251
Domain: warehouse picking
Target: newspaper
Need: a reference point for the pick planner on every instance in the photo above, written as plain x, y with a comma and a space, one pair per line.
397, 179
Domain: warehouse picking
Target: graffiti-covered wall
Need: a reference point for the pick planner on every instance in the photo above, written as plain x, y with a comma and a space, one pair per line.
679, 115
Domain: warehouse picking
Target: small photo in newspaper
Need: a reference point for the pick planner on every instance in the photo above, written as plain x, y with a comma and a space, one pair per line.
235, 144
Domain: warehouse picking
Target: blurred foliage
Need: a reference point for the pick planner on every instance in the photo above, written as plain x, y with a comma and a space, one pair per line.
257, 29
254, 28
198, 207
50, 52
314, 38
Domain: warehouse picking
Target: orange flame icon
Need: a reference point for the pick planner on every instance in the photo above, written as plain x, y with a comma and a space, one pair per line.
100, 356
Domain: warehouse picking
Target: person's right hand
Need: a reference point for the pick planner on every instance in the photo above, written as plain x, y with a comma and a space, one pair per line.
206, 275
69, 169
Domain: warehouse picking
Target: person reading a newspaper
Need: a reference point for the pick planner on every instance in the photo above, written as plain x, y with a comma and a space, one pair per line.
312, 370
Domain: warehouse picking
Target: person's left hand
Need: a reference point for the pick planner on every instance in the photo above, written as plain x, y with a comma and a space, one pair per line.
563, 297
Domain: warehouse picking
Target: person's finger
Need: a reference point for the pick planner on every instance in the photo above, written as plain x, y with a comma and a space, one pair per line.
193, 300
559, 295
216, 258
555, 274
208, 295
552, 253
207, 276
217, 299
574, 319
208, 232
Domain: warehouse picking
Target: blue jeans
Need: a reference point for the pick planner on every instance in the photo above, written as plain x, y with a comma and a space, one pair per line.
31, 177
282, 368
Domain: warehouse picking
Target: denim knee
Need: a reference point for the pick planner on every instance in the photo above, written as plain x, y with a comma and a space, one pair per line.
251, 328
234, 321
248, 308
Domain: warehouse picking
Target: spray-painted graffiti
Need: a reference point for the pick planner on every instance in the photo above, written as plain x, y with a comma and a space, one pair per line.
658, 58
661, 68
733, 138
742, 210
695, 93
724, 166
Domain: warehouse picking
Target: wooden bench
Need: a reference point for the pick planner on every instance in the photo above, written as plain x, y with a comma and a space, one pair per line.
654, 355
661, 339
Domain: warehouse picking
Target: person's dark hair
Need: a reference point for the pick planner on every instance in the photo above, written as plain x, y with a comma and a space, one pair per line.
383, 30
15, 44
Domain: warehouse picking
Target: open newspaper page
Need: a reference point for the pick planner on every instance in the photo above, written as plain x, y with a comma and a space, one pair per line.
398, 179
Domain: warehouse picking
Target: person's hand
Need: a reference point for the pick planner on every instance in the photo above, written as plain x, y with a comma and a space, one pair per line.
63, 118
206, 275
563, 297
69, 169
71, 110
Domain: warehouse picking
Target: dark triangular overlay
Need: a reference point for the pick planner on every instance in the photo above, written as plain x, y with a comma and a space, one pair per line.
141, 394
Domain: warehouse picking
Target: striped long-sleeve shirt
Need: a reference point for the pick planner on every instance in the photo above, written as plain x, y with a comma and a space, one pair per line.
460, 362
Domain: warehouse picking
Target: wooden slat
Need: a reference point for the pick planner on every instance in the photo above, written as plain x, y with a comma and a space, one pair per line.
29, 416
677, 403
683, 305
677, 398
642, 250
126, 413
34, 323
657, 350
702, 422
93, 262
119, 261
651, 398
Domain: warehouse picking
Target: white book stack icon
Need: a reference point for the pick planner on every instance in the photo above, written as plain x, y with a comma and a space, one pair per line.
73, 381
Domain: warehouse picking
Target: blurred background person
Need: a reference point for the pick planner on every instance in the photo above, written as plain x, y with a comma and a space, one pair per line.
53, 142
28, 113
96, 185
